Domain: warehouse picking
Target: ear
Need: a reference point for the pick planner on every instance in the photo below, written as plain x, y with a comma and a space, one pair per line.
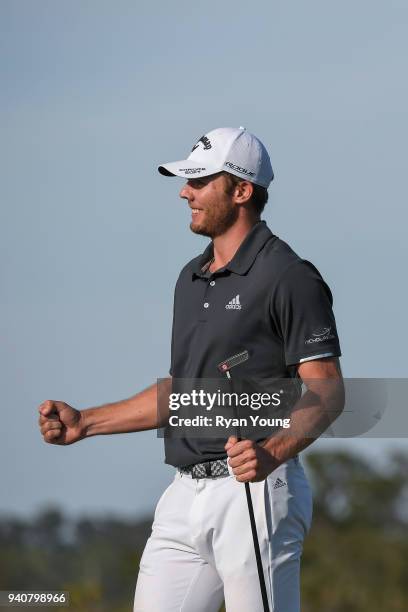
243, 192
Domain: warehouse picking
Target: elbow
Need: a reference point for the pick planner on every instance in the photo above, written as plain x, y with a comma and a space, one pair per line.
337, 399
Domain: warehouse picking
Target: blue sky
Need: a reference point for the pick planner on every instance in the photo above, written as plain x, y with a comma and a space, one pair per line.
94, 96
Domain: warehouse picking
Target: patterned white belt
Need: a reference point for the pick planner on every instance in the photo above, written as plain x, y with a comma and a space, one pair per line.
208, 469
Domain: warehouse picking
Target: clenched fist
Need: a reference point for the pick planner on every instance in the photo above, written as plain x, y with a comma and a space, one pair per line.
250, 461
60, 423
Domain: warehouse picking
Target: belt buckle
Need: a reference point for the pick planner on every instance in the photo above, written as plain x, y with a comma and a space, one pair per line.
202, 470
205, 469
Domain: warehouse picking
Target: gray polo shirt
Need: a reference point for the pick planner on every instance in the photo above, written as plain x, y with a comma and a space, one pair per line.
266, 300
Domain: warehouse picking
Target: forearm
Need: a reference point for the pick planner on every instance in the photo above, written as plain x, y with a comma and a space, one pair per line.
137, 413
311, 416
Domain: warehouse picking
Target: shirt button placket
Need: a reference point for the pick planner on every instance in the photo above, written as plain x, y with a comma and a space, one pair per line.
206, 303
211, 283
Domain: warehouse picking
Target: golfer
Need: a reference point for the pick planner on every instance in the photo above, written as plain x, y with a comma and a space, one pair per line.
248, 293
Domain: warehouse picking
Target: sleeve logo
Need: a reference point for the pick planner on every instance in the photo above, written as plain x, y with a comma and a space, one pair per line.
320, 334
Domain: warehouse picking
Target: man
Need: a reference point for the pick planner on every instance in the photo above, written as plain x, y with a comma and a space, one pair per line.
247, 292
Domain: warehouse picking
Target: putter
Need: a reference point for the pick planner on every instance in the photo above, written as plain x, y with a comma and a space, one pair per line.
225, 367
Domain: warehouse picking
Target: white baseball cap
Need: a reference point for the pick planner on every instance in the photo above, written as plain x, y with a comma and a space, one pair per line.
232, 150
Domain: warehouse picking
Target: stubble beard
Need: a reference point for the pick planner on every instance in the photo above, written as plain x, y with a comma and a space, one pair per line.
218, 219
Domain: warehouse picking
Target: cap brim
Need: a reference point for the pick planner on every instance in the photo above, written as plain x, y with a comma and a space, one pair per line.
186, 169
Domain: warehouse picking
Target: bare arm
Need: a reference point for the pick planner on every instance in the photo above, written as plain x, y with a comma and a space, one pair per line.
63, 424
138, 413
322, 403
314, 412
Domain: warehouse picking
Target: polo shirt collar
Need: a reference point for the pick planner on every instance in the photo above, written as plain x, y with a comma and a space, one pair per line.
245, 255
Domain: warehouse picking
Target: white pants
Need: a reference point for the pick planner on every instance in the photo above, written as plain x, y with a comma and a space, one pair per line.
201, 548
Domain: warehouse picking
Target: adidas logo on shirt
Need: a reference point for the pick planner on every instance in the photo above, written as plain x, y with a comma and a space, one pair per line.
279, 483
234, 304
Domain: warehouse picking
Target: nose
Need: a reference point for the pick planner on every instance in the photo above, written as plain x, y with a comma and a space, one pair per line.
186, 192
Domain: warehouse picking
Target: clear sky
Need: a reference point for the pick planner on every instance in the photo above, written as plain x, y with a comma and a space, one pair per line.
94, 95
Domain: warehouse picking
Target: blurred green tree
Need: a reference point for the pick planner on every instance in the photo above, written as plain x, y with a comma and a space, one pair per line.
355, 557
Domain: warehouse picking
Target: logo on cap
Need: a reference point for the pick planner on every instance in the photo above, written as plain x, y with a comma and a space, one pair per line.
239, 169
206, 142
191, 170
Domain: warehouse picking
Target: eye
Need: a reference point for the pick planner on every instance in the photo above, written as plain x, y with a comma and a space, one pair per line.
196, 182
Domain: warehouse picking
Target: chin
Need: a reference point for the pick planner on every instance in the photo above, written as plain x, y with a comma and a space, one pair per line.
198, 229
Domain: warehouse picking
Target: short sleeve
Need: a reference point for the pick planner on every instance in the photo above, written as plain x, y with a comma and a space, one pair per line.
302, 314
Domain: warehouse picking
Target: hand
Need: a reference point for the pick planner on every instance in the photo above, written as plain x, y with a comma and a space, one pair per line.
60, 423
250, 462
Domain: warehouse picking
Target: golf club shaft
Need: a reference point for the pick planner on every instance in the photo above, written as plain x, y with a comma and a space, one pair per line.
253, 528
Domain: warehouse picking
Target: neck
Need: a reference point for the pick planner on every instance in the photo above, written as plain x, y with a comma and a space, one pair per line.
226, 245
